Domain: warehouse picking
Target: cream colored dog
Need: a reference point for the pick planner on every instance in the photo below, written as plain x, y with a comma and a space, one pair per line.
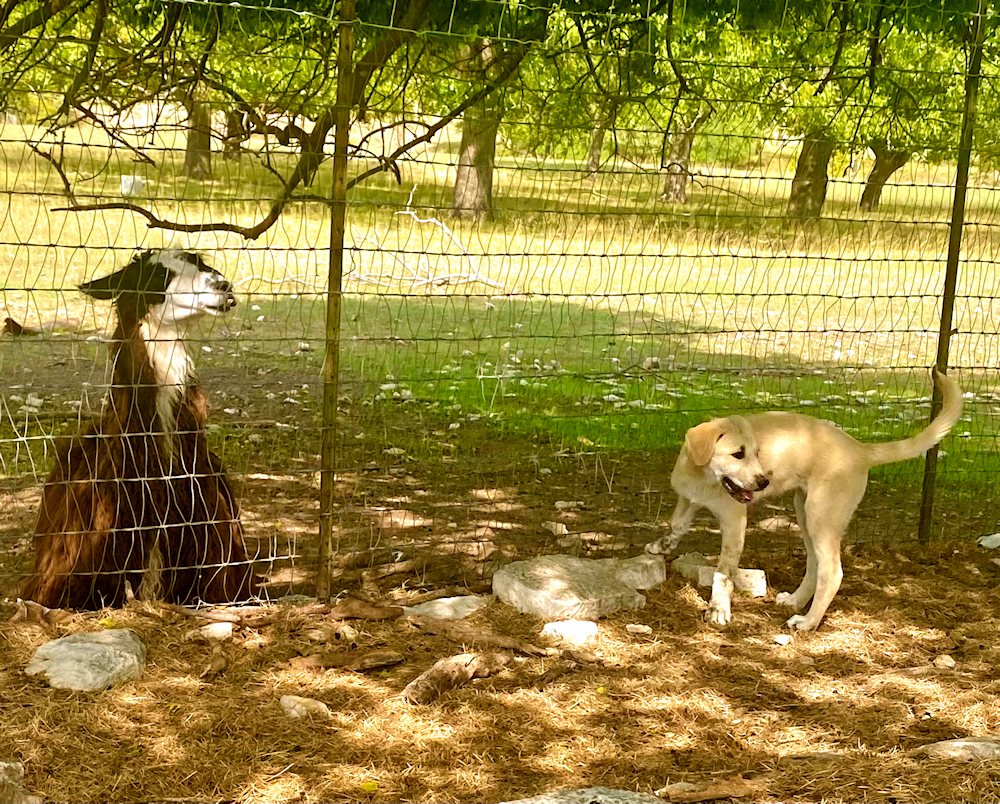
728, 463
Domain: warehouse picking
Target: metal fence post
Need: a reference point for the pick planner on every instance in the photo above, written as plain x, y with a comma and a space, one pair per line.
331, 362
977, 31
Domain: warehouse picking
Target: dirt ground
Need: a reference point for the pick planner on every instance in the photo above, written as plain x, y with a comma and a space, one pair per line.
829, 716
425, 509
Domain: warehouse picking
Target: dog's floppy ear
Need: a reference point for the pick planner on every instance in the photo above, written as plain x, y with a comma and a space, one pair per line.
700, 441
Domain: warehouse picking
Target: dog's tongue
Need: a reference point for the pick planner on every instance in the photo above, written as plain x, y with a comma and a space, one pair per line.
746, 497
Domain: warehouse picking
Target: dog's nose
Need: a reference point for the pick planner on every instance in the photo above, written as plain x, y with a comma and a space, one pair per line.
762, 482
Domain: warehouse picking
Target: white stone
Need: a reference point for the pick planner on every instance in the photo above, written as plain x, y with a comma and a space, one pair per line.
90, 661
449, 608
217, 632
638, 628
297, 707
559, 587
346, 633
591, 795
12, 773
701, 569
783, 639
574, 632
751, 581
966, 749
639, 572
944, 662
688, 565
12, 785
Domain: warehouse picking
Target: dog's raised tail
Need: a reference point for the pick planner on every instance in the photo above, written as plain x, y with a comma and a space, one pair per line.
914, 446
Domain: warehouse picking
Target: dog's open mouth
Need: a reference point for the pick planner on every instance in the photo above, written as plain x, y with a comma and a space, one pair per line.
738, 493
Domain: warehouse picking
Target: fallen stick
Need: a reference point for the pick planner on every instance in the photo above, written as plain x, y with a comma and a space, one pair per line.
395, 568
467, 635
349, 660
353, 609
452, 672
553, 673
256, 616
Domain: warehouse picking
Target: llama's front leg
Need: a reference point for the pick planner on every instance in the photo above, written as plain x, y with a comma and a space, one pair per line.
680, 524
733, 519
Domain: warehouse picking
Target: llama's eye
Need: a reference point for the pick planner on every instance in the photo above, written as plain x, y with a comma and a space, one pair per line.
740, 454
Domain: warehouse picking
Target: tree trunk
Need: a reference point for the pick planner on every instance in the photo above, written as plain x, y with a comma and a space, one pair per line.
679, 160
198, 155
887, 162
603, 123
236, 135
810, 182
473, 196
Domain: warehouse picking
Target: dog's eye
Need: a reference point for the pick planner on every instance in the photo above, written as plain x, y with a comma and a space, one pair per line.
740, 454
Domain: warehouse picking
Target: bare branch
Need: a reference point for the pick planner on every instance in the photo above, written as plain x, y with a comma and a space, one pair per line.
682, 84
845, 18
88, 62
402, 31
38, 17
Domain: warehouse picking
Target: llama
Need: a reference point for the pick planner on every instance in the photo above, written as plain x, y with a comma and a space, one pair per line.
137, 498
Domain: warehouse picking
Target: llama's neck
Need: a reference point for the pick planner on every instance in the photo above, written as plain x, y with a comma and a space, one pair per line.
173, 370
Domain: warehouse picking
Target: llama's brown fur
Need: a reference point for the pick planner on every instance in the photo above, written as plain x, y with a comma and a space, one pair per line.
122, 494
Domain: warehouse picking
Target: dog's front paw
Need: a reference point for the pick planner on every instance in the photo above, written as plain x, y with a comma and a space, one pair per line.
787, 599
719, 614
662, 546
799, 622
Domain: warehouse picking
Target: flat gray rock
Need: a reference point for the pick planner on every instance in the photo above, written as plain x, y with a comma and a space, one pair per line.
561, 587
590, 795
965, 749
90, 661
643, 571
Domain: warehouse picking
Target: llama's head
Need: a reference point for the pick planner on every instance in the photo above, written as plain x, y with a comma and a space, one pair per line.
165, 288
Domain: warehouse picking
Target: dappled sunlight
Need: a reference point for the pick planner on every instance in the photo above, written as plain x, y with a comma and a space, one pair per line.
686, 703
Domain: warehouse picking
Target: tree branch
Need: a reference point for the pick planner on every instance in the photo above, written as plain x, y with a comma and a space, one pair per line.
509, 66
402, 31
682, 84
874, 42
40, 16
69, 99
845, 17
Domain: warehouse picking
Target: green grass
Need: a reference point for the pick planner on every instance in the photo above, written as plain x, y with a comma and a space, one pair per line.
562, 301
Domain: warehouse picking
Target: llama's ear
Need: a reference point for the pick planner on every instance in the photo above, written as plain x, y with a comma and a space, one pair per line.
103, 289
109, 287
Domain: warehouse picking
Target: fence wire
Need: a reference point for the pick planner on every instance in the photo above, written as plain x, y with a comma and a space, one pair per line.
571, 234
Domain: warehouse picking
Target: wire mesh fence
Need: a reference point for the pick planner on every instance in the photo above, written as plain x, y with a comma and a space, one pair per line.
571, 234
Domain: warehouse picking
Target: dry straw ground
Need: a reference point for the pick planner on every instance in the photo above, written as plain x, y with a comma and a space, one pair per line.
830, 716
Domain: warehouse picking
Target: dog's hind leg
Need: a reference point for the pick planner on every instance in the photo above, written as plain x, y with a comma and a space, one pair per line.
801, 596
828, 513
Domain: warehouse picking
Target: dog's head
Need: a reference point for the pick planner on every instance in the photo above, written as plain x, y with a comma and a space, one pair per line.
727, 451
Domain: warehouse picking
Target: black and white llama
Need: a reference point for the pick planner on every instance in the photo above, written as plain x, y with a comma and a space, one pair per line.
138, 496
